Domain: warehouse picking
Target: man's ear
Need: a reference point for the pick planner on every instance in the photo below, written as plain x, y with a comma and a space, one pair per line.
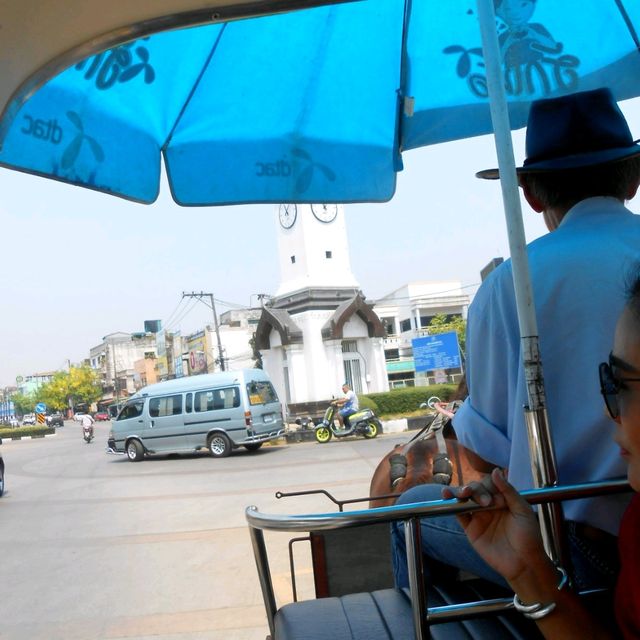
631, 194
534, 203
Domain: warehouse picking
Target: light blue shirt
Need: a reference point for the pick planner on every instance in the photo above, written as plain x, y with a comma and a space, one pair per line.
578, 273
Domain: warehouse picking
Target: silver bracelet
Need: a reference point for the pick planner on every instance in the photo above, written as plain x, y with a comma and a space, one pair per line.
537, 610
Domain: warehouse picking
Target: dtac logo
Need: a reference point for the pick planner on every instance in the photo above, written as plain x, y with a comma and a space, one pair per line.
78, 145
79, 142
273, 169
303, 168
48, 130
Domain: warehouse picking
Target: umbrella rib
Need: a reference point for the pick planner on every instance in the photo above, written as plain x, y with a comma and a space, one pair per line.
627, 20
195, 85
404, 74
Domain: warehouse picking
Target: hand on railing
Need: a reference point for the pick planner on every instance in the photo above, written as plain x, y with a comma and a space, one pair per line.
441, 407
507, 536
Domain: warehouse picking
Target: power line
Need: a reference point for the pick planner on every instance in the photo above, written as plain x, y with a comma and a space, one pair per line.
170, 317
178, 317
231, 305
431, 296
189, 306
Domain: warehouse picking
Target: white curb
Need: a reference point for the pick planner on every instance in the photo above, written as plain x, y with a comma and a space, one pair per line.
394, 426
6, 439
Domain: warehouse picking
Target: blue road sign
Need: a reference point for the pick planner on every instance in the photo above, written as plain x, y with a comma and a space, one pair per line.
41, 407
440, 351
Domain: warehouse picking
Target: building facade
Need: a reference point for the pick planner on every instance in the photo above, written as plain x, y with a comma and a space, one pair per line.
406, 314
31, 383
115, 357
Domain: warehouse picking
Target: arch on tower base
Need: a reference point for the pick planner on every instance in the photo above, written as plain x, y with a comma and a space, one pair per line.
277, 320
334, 327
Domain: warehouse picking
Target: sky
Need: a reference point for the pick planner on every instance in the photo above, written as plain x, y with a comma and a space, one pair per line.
78, 265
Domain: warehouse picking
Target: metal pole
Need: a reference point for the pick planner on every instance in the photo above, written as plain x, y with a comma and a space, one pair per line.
413, 543
201, 295
217, 329
264, 574
543, 460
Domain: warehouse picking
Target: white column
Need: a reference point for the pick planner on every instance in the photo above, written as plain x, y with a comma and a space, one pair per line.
298, 378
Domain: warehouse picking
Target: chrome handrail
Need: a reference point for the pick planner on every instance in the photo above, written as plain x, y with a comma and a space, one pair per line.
422, 614
340, 520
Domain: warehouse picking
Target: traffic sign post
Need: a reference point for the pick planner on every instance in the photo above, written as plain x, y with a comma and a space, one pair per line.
41, 409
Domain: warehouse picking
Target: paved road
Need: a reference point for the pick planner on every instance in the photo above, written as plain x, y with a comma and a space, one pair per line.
95, 546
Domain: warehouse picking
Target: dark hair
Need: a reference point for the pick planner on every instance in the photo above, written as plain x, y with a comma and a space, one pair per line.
567, 187
633, 291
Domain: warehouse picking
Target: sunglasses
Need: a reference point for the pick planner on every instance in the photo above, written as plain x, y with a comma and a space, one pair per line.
610, 386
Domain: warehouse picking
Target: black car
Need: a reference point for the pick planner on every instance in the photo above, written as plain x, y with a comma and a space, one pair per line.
55, 420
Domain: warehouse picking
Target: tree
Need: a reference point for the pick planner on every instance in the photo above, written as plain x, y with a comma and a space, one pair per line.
67, 389
443, 323
255, 353
54, 392
24, 402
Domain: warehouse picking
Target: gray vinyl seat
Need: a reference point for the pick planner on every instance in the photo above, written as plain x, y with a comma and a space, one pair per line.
386, 615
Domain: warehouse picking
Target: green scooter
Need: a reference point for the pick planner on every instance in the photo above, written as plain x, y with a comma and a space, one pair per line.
361, 423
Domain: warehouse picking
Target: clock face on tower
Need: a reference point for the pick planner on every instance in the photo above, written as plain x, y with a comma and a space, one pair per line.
287, 214
325, 212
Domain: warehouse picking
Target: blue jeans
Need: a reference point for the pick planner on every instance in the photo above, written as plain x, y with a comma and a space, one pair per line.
345, 413
445, 543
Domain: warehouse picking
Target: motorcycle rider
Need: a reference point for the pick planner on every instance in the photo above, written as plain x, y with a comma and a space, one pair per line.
348, 405
87, 423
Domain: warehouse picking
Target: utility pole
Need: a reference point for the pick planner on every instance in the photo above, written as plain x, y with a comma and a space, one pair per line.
262, 297
200, 297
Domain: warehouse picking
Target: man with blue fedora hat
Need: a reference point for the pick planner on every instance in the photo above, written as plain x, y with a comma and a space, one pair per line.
575, 131
582, 165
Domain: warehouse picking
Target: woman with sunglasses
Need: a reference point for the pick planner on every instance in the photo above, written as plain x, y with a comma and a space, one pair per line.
508, 538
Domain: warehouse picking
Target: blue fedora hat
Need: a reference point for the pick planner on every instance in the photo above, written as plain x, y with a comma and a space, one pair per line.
579, 130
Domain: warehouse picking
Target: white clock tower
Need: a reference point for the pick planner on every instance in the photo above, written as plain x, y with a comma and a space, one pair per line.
313, 248
318, 331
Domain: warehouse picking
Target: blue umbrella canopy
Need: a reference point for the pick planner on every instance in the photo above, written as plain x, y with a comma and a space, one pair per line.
311, 106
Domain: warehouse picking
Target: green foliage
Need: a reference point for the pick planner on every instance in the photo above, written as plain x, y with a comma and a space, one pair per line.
24, 403
79, 385
255, 353
34, 431
407, 400
442, 324
366, 402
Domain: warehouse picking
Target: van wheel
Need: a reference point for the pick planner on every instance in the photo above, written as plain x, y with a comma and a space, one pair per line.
135, 452
219, 445
253, 446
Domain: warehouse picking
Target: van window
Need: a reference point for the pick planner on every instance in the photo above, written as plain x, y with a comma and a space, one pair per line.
261, 393
214, 399
188, 403
167, 406
131, 410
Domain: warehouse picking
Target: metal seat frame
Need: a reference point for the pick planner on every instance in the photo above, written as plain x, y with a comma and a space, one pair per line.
423, 615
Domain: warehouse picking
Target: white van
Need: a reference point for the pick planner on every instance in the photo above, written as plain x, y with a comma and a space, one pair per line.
218, 411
